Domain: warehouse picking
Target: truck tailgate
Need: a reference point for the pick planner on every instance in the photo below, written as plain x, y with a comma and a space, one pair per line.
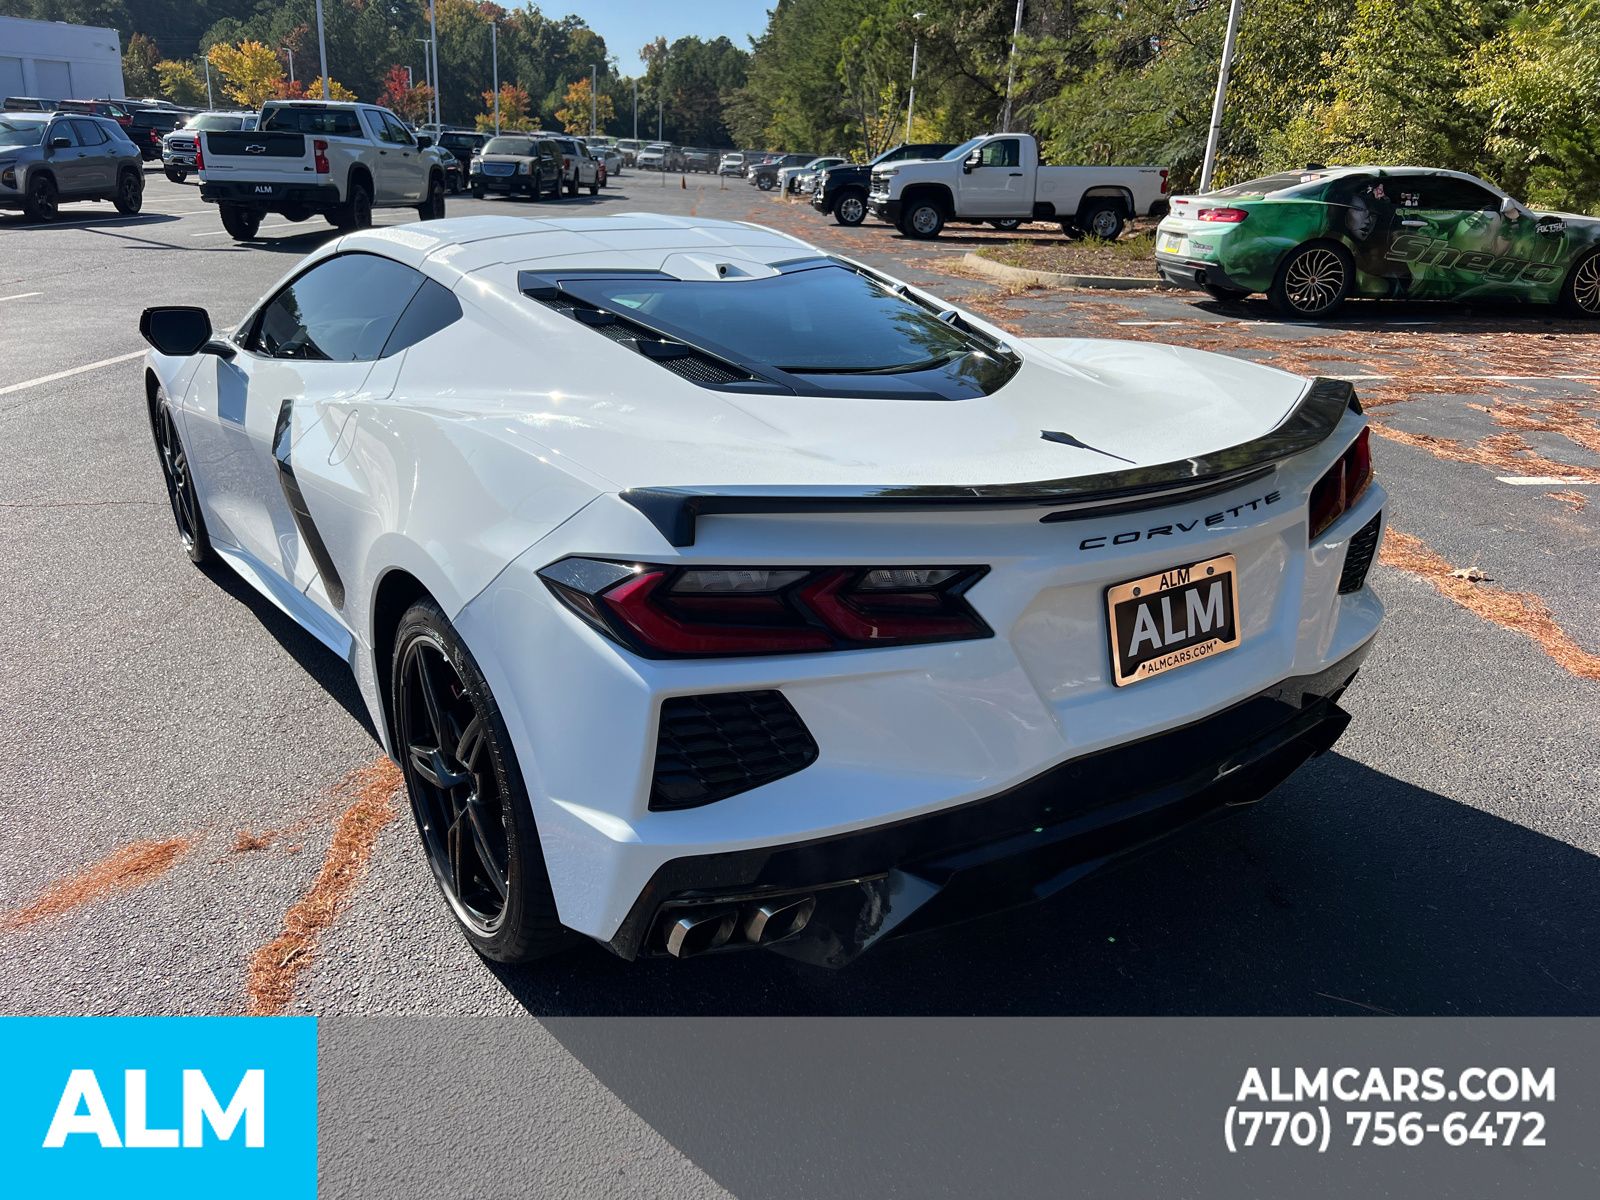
270, 154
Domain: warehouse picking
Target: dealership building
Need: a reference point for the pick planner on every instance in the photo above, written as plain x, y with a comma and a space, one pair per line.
56, 61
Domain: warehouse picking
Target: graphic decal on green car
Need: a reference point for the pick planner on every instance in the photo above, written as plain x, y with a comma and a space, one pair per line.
1310, 239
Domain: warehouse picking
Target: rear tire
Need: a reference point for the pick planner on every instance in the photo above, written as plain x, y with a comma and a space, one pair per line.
1103, 220
129, 196
850, 209
594, 188
356, 212
467, 794
1580, 292
1007, 224
1313, 280
241, 223
41, 203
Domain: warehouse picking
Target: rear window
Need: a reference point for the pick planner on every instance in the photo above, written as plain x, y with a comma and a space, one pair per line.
520, 147
827, 320
340, 122
1293, 184
464, 141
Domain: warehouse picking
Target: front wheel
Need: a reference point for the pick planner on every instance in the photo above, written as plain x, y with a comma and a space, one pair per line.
241, 223
432, 207
180, 483
1313, 280
467, 795
177, 176
41, 203
850, 208
477, 192
1580, 294
765, 183
923, 220
129, 196
594, 188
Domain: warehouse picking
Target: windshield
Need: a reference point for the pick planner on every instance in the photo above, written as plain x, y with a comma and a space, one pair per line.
963, 150
213, 122
520, 147
463, 140
21, 133
822, 320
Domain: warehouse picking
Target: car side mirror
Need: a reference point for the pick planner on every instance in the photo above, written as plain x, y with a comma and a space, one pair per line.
60, 143
424, 141
969, 162
180, 330
1509, 207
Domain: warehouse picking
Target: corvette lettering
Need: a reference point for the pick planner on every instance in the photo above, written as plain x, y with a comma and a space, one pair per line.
1128, 537
1435, 252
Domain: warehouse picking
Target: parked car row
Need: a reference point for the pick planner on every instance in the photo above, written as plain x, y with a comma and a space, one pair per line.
48, 157
537, 165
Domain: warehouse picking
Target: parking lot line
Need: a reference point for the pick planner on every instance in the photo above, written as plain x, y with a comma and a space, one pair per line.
1546, 480
94, 366
20, 296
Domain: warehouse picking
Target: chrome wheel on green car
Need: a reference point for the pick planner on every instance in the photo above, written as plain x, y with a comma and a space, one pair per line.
1312, 282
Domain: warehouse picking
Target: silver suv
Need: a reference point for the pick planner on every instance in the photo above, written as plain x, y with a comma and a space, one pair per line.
46, 158
178, 147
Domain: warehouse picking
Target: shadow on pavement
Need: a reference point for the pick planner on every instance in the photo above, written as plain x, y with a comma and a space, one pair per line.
1347, 891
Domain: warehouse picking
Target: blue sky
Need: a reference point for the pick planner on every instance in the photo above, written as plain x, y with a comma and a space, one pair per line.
628, 24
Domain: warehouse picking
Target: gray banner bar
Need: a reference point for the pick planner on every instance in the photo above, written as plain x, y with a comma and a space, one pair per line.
1109, 1108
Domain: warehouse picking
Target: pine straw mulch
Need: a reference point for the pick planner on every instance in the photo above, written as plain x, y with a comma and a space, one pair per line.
126, 867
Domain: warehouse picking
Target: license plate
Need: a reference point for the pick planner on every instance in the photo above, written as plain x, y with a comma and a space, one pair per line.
1173, 618
1172, 243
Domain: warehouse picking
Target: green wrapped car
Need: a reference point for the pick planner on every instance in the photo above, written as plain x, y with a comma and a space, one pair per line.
1311, 238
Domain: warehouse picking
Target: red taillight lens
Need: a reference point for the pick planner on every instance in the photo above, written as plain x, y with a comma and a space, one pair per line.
319, 149
199, 157
1343, 484
1225, 216
1163, 182
668, 612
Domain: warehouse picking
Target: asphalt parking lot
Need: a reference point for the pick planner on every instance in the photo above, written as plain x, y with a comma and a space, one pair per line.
178, 758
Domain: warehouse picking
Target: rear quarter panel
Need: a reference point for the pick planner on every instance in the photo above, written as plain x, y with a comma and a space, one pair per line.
1251, 250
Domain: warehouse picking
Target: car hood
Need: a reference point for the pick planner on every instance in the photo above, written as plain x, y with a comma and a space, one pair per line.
1075, 408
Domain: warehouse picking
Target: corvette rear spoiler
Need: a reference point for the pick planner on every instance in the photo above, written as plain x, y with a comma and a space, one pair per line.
675, 510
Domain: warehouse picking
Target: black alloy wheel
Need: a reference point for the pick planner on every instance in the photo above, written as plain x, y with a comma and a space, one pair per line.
471, 810
432, 208
41, 203
180, 485
129, 196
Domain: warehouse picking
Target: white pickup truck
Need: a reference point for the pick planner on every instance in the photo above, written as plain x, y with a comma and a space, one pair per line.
997, 178
312, 156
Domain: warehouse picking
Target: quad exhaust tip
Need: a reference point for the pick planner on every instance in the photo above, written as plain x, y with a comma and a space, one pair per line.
754, 923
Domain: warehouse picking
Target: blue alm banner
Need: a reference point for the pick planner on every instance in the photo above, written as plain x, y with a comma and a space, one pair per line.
159, 1106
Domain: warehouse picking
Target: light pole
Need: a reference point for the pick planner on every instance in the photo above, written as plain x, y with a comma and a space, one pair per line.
427, 73
1215, 136
594, 99
911, 100
290, 53
494, 50
210, 103
322, 51
1011, 69
433, 33
635, 107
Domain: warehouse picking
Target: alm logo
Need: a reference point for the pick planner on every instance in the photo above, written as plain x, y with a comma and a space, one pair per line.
84, 1111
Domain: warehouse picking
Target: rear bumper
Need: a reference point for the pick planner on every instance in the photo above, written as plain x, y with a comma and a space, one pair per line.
522, 185
277, 197
1009, 849
1192, 273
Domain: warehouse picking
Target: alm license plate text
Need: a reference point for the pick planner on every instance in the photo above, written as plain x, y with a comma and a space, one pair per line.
1175, 617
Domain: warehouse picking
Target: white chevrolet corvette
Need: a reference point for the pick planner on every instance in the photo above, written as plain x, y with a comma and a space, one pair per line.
715, 592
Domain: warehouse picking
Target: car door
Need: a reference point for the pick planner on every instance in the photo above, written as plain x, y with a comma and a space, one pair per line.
1474, 249
995, 186
311, 345
66, 162
387, 168
98, 162
412, 176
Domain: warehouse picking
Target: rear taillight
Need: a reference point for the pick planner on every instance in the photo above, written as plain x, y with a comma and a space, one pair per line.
319, 150
672, 612
1338, 490
1226, 216
199, 156
1163, 182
